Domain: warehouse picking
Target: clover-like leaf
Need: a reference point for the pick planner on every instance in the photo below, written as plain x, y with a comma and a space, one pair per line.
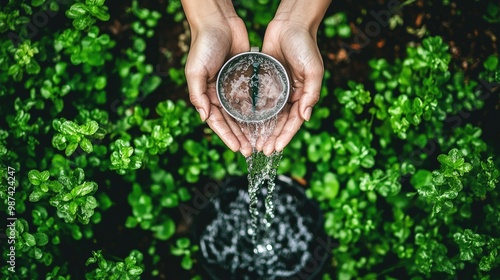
89, 128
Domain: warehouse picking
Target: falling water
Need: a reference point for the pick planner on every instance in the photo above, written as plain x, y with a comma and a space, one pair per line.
261, 173
253, 90
261, 170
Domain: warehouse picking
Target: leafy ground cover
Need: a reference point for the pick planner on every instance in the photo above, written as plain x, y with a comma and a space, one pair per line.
111, 164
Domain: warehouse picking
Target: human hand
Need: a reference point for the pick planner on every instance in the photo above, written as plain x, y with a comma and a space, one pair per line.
294, 45
212, 43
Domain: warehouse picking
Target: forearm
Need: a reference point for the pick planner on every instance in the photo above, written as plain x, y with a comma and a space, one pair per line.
305, 12
200, 12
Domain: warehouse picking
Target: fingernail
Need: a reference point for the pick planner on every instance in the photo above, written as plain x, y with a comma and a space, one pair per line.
203, 114
245, 154
307, 113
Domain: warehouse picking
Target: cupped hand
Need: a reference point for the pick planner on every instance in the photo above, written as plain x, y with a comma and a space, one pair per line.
211, 45
294, 45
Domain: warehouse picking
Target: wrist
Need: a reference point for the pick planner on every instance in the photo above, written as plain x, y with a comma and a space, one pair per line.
307, 14
202, 12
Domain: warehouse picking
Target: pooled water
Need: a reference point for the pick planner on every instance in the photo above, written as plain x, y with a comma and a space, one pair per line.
252, 88
289, 244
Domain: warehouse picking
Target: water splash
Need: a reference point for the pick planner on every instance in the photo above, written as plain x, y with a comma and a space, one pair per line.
261, 169
291, 248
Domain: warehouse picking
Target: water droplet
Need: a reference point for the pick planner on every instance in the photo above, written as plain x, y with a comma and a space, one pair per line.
260, 249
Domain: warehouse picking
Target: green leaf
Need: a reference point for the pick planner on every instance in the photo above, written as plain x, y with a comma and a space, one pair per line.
131, 222
89, 128
41, 239
421, 178
33, 67
170, 200
184, 194
139, 44
177, 251
36, 195
37, 252
183, 242
70, 149
491, 63
30, 239
35, 177
36, 3
100, 82
14, 69
86, 145
187, 262
83, 22
77, 10
69, 128
135, 271
83, 189
331, 186
165, 230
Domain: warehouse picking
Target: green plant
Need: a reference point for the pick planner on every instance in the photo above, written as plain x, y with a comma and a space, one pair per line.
84, 14
405, 174
130, 268
492, 67
70, 194
357, 168
184, 249
148, 205
337, 25
71, 135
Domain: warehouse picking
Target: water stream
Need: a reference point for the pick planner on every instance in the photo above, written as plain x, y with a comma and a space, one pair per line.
261, 174
255, 235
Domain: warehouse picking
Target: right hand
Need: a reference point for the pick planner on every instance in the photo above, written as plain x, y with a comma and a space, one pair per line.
211, 45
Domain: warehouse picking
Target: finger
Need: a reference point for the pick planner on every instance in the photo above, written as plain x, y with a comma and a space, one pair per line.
245, 147
197, 86
220, 126
292, 125
313, 79
270, 144
260, 143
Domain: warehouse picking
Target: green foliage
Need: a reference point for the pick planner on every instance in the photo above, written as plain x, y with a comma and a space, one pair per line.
257, 15
337, 25
174, 8
492, 13
149, 205
84, 14
184, 249
70, 194
130, 268
492, 67
375, 169
59, 93
147, 20
408, 186
71, 135
24, 57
